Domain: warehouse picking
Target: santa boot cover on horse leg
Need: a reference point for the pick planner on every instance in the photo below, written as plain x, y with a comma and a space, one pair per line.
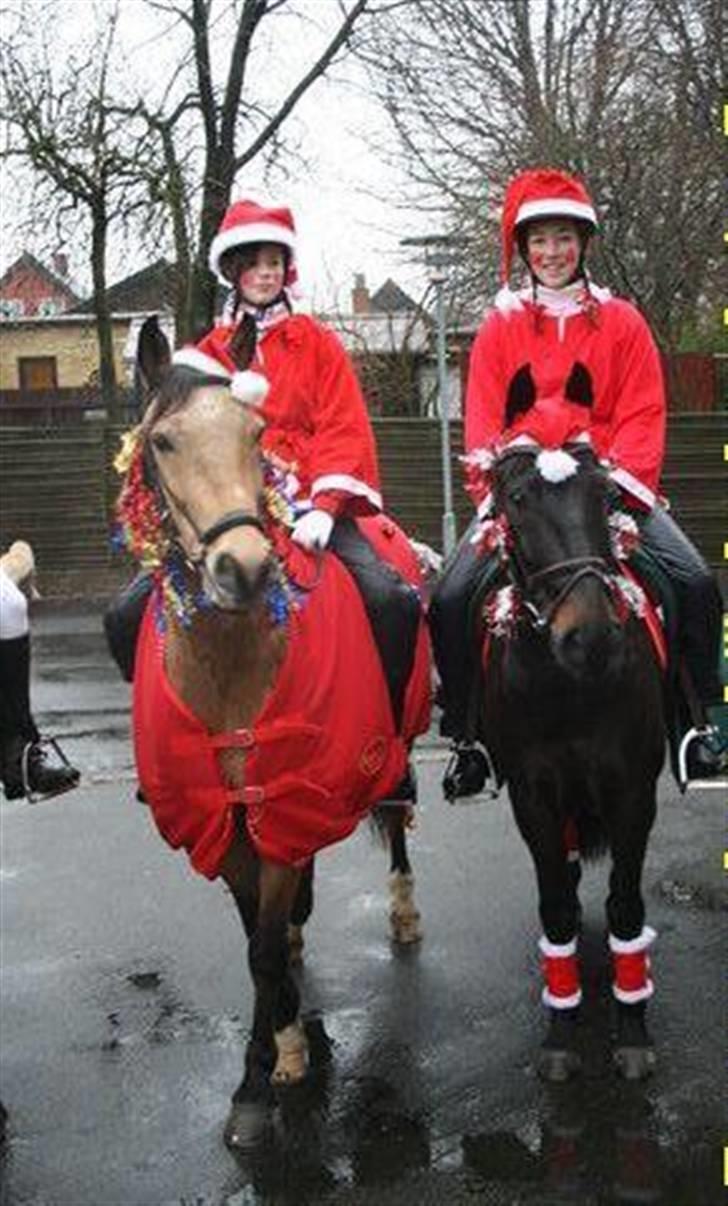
632, 986
31, 767
561, 994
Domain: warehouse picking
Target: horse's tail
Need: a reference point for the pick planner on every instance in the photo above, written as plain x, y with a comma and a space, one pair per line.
591, 839
387, 818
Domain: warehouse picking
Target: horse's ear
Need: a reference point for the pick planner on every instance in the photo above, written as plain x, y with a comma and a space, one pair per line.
153, 357
242, 345
521, 394
579, 386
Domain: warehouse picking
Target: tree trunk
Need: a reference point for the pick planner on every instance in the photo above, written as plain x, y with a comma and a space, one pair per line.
107, 370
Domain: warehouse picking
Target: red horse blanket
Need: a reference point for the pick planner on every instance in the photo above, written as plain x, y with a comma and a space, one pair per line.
323, 749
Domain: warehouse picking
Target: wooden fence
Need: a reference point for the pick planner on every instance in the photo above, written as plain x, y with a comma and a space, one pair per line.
57, 487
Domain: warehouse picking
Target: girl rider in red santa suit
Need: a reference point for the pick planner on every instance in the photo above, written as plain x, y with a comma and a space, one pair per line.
315, 413
557, 320
315, 418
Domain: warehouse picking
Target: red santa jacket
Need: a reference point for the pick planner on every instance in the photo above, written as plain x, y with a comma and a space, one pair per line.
316, 417
627, 418
320, 753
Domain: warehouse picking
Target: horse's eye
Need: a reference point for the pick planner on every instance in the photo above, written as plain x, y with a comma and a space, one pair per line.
162, 443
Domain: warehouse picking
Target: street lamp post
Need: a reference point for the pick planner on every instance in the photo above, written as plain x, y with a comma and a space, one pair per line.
437, 259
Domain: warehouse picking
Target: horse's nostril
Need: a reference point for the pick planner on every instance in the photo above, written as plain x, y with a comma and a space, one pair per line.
240, 583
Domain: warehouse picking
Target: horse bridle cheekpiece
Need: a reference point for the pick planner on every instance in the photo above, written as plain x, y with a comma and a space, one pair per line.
146, 529
507, 606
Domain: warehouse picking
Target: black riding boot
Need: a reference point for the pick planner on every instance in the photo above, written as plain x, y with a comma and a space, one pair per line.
26, 767
123, 619
699, 623
457, 665
393, 610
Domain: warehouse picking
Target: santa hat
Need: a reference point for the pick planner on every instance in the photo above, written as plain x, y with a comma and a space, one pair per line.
541, 193
247, 222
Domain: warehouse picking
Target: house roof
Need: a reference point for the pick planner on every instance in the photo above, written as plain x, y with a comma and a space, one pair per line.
30, 264
152, 288
390, 299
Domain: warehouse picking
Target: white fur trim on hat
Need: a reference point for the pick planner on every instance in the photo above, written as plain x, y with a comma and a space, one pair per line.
555, 465
248, 232
200, 361
555, 207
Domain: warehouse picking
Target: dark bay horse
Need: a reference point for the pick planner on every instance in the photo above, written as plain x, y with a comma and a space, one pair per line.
263, 725
572, 715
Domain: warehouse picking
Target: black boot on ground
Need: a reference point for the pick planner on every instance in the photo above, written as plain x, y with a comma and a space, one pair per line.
466, 773
36, 770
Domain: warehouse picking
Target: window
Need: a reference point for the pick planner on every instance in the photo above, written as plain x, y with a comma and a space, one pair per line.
48, 306
37, 373
11, 307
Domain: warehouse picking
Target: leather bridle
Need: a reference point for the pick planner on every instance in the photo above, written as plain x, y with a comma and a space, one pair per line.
204, 537
577, 568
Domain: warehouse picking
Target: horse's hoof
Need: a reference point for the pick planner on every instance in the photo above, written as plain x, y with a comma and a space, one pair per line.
405, 931
247, 1124
635, 1063
557, 1064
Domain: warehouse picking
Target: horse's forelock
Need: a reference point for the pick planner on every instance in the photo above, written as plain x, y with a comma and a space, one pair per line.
177, 387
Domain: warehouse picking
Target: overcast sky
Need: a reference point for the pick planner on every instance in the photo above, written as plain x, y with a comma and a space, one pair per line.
345, 225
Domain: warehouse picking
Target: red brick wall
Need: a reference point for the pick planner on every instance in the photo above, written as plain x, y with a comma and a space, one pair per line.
31, 288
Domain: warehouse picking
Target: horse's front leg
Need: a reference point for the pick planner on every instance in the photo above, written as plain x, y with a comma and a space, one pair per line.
542, 828
276, 1052
629, 937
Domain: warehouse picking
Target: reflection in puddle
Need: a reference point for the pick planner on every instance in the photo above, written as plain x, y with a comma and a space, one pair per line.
586, 1146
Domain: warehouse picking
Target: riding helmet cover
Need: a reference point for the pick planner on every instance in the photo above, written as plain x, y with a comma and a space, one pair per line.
537, 194
247, 222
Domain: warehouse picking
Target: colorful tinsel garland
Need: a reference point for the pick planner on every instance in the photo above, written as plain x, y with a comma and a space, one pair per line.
140, 530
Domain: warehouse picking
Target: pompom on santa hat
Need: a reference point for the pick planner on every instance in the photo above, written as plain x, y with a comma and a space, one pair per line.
541, 193
248, 222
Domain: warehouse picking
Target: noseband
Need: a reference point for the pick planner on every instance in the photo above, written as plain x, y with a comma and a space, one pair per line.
580, 567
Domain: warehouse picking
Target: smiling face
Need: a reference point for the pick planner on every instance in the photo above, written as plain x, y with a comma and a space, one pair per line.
553, 248
261, 278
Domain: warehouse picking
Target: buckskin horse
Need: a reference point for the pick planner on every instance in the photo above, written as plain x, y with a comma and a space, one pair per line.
571, 712
263, 723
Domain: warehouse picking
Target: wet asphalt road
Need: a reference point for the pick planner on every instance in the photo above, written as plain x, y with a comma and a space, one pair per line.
125, 1002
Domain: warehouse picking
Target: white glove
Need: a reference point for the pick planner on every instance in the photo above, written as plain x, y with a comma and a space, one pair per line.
313, 530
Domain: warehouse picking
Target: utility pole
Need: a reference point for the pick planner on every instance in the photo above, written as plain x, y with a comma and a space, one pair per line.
438, 257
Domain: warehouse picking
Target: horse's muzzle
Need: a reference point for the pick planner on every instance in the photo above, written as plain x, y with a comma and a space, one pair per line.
235, 585
593, 650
